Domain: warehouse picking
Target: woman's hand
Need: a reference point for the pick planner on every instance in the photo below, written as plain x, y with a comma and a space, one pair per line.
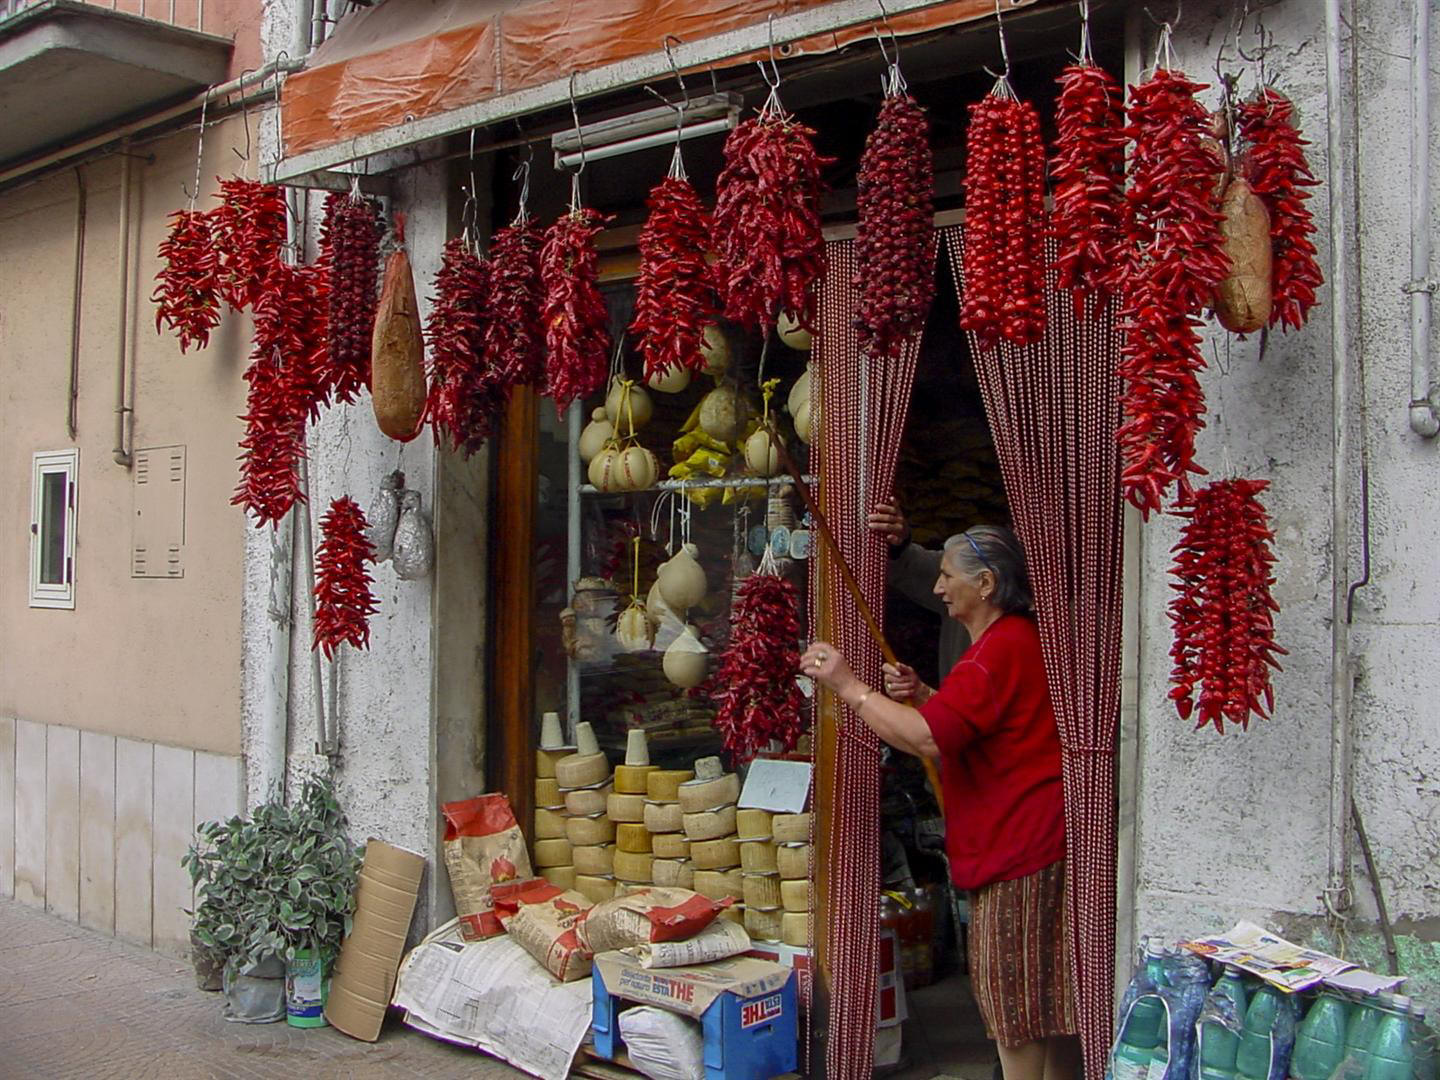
887, 520
823, 663
903, 685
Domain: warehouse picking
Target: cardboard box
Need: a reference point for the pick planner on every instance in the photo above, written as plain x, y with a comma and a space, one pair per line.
890, 1007
689, 990
370, 955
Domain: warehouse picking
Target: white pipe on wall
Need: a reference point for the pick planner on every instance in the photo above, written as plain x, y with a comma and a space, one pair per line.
1337, 892
122, 325
1423, 418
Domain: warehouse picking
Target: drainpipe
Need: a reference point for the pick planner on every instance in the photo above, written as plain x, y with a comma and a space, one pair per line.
272, 746
72, 419
303, 36
122, 326
1337, 892
1421, 286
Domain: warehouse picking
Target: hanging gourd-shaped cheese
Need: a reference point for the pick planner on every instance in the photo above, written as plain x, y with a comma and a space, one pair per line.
682, 579
801, 404
665, 625
597, 433
760, 454
799, 393
637, 405
686, 660
637, 468
632, 629
715, 348
793, 334
670, 381
721, 414
602, 471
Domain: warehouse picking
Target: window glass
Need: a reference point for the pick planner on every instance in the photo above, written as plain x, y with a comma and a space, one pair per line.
54, 487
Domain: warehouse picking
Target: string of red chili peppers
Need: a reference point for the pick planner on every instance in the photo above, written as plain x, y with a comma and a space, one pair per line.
1279, 173
674, 292
576, 320
187, 292
895, 235
343, 600
1175, 260
1004, 262
353, 243
462, 403
1224, 614
767, 236
514, 336
249, 232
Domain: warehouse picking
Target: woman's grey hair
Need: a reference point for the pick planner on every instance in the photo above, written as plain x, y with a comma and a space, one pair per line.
997, 549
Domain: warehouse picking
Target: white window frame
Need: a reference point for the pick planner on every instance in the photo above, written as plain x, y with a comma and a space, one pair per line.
47, 463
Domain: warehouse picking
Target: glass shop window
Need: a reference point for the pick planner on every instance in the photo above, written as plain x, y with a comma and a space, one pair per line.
52, 529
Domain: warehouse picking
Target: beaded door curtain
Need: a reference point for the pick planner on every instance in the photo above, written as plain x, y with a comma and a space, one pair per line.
1053, 409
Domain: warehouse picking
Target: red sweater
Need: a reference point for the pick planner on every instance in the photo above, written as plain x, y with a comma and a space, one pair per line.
999, 758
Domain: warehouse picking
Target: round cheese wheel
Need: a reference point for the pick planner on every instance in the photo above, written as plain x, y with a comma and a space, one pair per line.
562, 877
545, 761
793, 861
663, 817
633, 866
552, 853
549, 824
590, 830
795, 928
630, 779
673, 872
594, 859
715, 854
719, 884
582, 770
663, 785
763, 924
710, 824
547, 793
734, 913
632, 838
698, 795
791, 828
757, 857
586, 802
670, 846
795, 895
753, 824
620, 807
595, 887
761, 890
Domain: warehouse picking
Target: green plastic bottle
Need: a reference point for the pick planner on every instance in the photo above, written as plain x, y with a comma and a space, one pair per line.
1392, 1055
1218, 1043
1320, 1041
1365, 1017
1252, 1056
1142, 1035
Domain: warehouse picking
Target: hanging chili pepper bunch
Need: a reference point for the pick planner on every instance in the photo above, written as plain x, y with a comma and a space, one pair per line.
249, 232
1175, 260
463, 401
1224, 613
515, 336
767, 221
1279, 173
1088, 175
753, 689
895, 240
577, 323
674, 294
343, 601
187, 293
352, 242
1004, 261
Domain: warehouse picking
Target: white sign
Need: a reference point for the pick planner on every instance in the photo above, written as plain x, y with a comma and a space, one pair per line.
779, 786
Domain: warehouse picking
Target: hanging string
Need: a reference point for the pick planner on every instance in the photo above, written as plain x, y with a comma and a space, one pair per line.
772, 106
580, 139
1086, 56
522, 174
281, 58
892, 82
1002, 86
200, 151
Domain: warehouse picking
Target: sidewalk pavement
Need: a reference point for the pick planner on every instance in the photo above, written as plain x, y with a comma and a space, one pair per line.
76, 1003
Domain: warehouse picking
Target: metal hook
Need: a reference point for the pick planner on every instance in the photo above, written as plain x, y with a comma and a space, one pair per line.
894, 41
771, 77
245, 119
199, 151
579, 135
1004, 49
281, 58
1086, 56
674, 67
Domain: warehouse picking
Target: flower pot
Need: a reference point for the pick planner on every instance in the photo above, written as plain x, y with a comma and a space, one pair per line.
209, 969
255, 994
307, 985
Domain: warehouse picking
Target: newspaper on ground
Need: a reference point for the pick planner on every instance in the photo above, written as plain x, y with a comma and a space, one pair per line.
493, 996
1286, 965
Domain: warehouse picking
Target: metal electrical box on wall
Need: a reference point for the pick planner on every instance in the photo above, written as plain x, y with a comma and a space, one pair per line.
157, 548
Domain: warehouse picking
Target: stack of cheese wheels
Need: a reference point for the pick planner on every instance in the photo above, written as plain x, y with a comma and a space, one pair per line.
550, 838
791, 833
625, 808
665, 823
584, 780
708, 817
760, 876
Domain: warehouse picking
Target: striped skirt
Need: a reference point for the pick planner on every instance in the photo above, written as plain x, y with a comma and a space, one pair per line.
1020, 965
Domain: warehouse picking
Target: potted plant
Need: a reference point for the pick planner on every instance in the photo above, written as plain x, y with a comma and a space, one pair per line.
275, 896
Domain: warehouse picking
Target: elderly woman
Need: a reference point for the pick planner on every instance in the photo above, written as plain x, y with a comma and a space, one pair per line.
991, 726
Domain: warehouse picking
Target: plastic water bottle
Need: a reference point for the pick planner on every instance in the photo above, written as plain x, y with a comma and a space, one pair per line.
1142, 1035
1392, 1055
1224, 1005
1253, 1055
1359, 1033
1320, 1042
1424, 1043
